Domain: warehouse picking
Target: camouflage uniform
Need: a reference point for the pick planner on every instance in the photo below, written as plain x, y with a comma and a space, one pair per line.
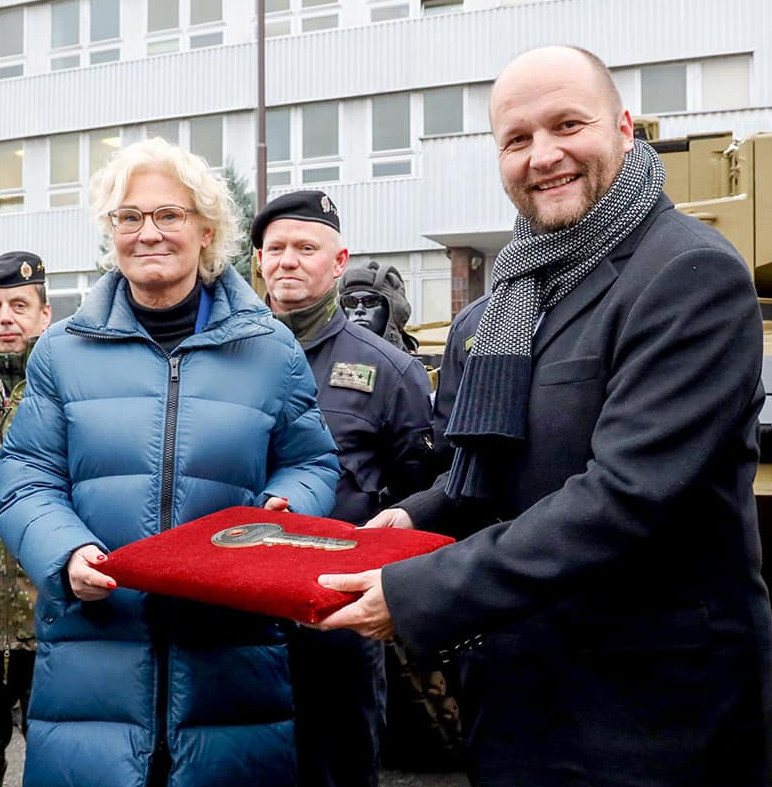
17, 593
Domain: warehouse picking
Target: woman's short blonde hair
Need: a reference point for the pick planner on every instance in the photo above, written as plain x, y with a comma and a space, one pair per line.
209, 191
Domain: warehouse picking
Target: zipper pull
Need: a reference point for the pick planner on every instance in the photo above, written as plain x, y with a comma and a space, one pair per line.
174, 363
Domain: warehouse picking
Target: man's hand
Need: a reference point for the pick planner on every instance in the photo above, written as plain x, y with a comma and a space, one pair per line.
391, 517
86, 582
368, 616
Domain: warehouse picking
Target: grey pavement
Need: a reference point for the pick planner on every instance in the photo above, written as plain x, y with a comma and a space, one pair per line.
388, 778
15, 757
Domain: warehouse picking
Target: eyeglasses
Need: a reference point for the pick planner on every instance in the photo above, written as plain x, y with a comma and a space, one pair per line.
368, 301
168, 218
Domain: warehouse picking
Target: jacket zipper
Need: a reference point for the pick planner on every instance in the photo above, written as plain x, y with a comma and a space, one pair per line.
161, 760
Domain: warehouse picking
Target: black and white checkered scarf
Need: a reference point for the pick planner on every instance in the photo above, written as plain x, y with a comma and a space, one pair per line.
531, 274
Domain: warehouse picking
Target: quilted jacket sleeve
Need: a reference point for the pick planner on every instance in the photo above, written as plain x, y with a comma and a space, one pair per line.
37, 521
305, 468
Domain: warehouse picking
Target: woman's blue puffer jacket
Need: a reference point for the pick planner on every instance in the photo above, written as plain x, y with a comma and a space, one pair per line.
115, 441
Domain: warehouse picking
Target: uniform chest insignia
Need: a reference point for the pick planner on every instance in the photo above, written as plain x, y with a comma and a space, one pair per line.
359, 376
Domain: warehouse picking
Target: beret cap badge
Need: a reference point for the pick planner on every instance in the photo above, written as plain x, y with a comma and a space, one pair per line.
18, 268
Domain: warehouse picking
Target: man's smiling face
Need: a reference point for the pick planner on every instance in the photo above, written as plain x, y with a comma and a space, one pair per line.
560, 137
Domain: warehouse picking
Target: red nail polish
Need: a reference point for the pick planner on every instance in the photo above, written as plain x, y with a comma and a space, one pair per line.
112, 584
101, 557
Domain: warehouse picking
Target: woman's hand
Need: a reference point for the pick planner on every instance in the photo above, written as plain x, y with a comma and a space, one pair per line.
276, 504
86, 582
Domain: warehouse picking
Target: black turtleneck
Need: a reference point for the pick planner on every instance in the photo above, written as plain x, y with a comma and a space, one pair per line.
171, 325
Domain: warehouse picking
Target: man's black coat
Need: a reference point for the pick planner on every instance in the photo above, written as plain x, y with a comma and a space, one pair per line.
624, 626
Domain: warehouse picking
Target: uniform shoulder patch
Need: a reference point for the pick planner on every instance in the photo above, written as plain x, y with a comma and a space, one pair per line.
359, 376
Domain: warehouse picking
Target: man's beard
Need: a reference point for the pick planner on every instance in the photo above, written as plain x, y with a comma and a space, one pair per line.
594, 186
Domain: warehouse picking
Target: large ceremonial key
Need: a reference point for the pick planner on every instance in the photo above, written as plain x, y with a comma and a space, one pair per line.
269, 535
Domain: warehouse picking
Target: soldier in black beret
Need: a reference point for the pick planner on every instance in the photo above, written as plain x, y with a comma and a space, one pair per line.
24, 315
313, 206
375, 399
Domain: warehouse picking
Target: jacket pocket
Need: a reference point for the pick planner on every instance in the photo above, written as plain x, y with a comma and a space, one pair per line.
571, 371
679, 629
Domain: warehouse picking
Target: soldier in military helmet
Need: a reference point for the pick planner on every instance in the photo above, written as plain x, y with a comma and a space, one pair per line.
374, 297
375, 399
24, 315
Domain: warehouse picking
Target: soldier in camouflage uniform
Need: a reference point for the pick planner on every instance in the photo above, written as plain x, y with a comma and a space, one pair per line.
24, 315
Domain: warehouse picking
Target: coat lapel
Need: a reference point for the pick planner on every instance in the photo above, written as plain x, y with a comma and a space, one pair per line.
587, 292
594, 285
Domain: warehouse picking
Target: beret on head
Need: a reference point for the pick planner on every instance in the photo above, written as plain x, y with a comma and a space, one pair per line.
18, 268
313, 206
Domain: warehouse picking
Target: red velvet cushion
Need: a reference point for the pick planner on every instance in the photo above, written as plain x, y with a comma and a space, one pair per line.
276, 580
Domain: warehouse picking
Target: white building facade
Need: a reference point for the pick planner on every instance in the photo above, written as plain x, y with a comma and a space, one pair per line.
381, 103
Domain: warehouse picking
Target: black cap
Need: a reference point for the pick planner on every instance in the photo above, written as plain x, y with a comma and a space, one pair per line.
18, 268
302, 205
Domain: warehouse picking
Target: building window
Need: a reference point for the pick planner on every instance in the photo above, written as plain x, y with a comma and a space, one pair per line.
64, 170
65, 23
312, 23
104, 26
105, 22
11, 42
66, 292
203, 136
281, 177
320, 130
427, 282
391, 122
277, 135
6, 72
173, 25
444, 110
163, 15
663, 88
11, 161
320, 174
281, 27
75, 21
385, 169
65, 33
204, 11
440, 6
284, 17
101, 146
206, 139
11, 32
726, 82
391, 133
166, 129
386, 12
70, 164
320, 140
